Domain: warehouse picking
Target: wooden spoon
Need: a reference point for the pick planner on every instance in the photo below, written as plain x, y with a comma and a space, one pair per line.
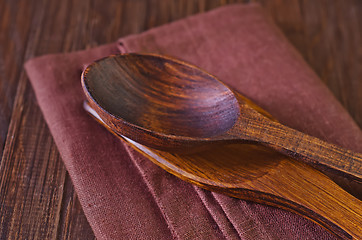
256, 173
171, 105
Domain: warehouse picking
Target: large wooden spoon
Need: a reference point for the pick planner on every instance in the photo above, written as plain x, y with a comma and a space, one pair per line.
256, 173
171, 105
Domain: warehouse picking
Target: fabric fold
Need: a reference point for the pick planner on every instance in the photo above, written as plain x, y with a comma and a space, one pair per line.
218, 214
175, 198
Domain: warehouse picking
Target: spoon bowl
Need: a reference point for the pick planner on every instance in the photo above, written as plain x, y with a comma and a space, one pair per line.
167, 104
165, 96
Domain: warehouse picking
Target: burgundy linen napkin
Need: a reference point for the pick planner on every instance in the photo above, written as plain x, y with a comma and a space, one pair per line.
123, 194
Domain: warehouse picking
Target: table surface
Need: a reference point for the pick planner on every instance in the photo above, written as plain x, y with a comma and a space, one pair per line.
37, 198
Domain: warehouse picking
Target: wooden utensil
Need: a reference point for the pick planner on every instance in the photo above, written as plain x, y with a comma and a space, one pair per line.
256, 173
171, 105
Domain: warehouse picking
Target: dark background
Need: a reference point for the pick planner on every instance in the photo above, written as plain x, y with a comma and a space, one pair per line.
37, 198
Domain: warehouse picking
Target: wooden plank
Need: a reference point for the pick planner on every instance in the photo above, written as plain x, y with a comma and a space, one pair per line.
33, 187
14, 34
33, 176
37, 199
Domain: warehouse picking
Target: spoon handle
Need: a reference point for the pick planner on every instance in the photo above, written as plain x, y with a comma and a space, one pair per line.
255, 127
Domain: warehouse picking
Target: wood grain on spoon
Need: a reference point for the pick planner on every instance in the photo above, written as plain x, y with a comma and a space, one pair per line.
171, 105
259, 174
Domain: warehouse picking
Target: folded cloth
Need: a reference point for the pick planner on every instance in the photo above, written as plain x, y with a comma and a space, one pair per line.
123, 194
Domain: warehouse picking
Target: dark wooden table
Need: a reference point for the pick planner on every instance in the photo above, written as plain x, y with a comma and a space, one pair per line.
37, 198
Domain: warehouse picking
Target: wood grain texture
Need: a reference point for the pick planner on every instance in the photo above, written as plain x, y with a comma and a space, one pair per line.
281, 182
159, 94
14, 34
254, 127
167, 104
259, 174
327, 33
